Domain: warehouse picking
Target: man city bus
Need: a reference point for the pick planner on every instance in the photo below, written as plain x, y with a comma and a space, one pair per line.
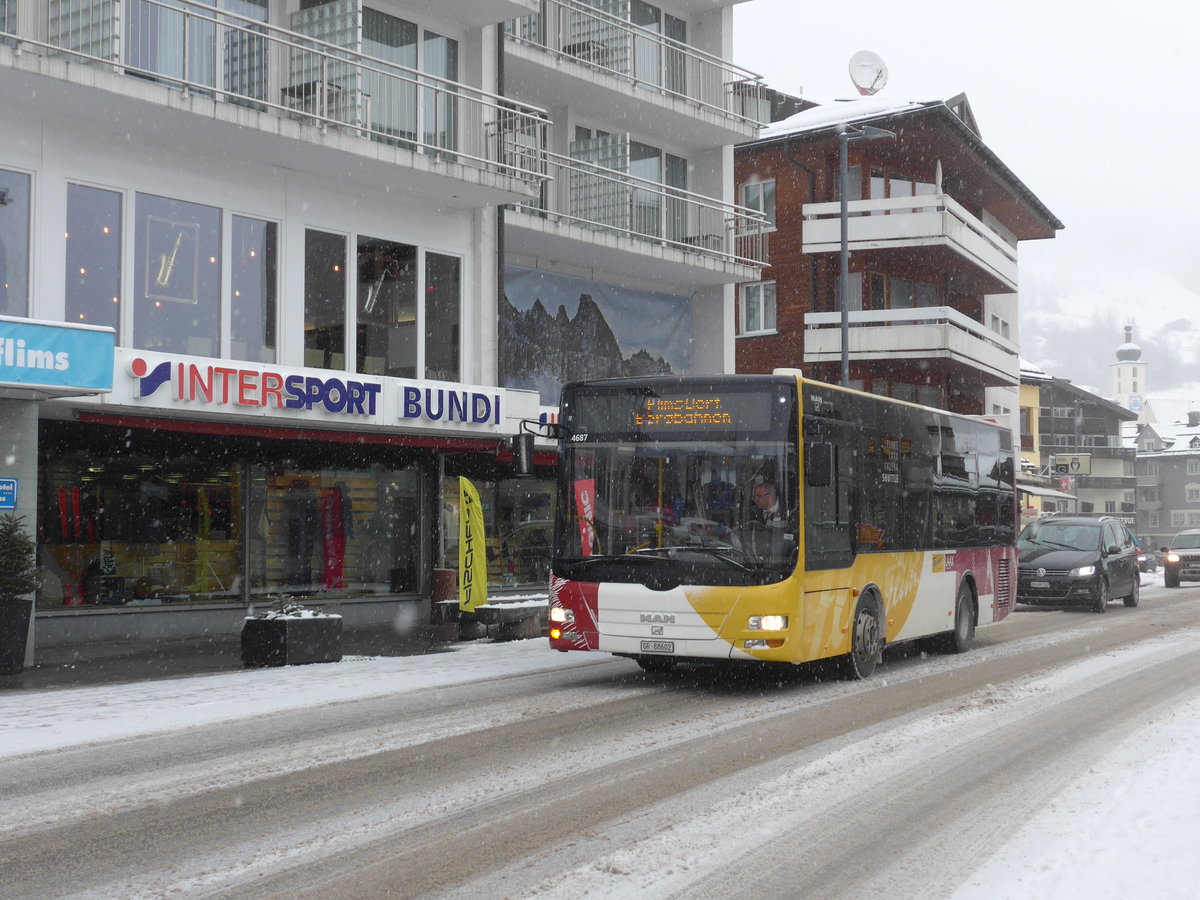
773, 518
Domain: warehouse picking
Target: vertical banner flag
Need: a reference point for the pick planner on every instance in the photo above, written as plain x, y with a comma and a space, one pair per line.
585, 493
472, 553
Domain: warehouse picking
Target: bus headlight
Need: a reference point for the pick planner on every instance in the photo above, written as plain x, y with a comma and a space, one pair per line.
561, 615
767, 623
1083, 571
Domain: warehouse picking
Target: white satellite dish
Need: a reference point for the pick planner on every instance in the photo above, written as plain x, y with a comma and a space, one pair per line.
868, 72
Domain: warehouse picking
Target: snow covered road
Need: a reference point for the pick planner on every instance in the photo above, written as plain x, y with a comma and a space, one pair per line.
506, 770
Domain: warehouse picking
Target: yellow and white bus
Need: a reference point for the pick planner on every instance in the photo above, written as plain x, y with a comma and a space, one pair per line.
773, 518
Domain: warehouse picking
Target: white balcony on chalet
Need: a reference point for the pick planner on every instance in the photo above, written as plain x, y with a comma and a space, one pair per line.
622, 223
573, 53
936, 224
940, 335
243, 88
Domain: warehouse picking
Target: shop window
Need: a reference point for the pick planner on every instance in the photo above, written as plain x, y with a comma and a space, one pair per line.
253, 282
137, 527
518, 524
14, 243
329, 531
443, 317
387, 308
92, 289
324, 300
143, 518
178, 277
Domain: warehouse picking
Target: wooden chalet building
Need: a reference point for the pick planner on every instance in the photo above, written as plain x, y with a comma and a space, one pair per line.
934, 222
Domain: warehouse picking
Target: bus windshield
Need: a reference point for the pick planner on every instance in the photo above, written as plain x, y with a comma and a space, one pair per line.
685, 484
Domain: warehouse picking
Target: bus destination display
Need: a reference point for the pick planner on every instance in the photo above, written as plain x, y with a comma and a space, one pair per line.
701, 412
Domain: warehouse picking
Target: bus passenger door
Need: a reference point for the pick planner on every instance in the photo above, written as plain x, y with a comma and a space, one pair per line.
828, 490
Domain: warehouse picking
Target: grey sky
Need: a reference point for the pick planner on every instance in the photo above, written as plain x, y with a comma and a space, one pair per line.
1092, 105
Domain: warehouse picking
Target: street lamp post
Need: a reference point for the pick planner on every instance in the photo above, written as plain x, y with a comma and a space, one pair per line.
845, 136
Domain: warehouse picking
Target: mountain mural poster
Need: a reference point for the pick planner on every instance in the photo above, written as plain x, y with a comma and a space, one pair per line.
558, 328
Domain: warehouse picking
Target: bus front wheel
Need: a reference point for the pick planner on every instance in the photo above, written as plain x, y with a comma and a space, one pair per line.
866, 640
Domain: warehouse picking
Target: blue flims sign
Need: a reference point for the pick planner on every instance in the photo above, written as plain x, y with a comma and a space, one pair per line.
56, 358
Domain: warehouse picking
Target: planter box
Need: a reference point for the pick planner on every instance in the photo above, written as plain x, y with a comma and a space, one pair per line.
14, 629
287, 641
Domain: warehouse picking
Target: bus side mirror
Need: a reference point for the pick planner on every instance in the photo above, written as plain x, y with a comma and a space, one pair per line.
818, 464
522, 451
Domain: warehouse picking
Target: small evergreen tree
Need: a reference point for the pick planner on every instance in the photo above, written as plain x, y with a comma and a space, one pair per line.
18, 560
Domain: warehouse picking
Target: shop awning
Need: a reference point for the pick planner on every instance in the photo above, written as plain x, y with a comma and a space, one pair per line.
1044, 492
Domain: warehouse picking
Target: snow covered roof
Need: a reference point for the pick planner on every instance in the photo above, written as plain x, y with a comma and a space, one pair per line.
842, 112
1171, 410
956, 112
1031, 372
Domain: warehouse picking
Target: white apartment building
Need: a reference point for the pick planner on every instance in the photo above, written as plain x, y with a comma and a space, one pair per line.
317, 234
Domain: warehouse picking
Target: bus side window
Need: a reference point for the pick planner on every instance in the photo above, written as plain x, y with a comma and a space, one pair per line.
818, 464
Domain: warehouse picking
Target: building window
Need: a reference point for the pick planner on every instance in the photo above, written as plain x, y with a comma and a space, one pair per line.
1193, 518
443, 317
760, 196
252, 285
387, 308
1192, 492
1177, 519
393, 104
92, 289
758, 307
14, 243
324, 299
1193, 466
177, 269
1152, 469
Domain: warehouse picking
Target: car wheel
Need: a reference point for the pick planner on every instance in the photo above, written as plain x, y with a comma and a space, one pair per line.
866, 641
1170, 579
960, 639
1134, 596
1100, 604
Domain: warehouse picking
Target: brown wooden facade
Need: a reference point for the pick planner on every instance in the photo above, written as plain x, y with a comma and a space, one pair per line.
932, 142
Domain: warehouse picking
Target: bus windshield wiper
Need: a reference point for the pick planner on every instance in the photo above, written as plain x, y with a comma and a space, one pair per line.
720, 551
595, 558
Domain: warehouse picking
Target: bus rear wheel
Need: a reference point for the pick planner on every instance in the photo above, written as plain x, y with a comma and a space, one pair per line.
963, 636
866, 640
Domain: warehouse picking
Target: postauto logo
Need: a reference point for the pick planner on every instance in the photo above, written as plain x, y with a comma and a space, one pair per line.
243, 387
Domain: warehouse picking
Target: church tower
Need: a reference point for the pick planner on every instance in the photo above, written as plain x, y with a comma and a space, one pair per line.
1129, 374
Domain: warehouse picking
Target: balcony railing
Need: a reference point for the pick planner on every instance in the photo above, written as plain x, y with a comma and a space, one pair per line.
921, 333
613, 44
895, 222
601, 199
201, 50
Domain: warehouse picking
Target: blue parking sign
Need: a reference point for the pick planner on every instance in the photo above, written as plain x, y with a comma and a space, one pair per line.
8, 493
